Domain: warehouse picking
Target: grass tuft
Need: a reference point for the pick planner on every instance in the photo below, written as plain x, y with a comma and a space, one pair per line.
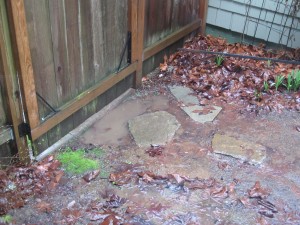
75, 162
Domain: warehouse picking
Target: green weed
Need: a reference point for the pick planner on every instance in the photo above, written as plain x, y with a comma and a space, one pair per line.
257, 95
266, 86
278, 81
6, 219
269, 63
75, 162
290, 82
296, 78
293, 81
219, 60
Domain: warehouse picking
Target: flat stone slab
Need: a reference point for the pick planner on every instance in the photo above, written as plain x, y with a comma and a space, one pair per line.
201, 114
247, 151
153, 128
184, 95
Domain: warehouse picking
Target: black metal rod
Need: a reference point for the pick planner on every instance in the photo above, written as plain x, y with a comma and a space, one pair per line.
294, 62
45, 102
277, 7
256, 27
123, 50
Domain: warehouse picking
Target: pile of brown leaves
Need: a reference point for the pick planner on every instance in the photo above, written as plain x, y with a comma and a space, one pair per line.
18, 183
237, 79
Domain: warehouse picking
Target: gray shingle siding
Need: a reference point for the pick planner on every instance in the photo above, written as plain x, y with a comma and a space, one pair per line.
231, 15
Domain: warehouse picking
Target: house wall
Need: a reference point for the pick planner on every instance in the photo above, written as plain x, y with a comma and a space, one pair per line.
271, 24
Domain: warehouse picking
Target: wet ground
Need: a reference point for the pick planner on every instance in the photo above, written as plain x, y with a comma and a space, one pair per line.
186, 183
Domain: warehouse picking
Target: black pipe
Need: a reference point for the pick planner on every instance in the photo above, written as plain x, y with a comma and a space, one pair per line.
294, 62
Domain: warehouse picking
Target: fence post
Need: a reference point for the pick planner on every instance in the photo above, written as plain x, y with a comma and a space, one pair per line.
10, 78
24, 60
203, 6
137, 23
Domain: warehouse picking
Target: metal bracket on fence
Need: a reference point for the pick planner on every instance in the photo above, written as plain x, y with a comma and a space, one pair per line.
127, 46
24, 129
46, 103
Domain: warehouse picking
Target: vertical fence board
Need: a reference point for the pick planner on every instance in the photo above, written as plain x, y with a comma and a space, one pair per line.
3, 103
73, 46
140, 40
64, 84
25, 72
86, 53
98, 39
203, 14
11, 82
39, 29
86, 44
60, 50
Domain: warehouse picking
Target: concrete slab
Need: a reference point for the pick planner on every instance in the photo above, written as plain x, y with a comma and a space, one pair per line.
201, 114
191, 105
153, 128
247, 151
184, 95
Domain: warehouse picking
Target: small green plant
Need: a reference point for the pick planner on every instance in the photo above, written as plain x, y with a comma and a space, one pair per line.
278, 81
6, 219
75, 162
293, 81
257, 95
219, 60
289, 83
266, 86
296, 78
269, 62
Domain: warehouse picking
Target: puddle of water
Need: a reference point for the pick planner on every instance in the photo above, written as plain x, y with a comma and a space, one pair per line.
112, 129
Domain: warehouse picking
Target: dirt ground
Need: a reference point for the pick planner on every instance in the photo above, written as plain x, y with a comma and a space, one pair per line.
187, 183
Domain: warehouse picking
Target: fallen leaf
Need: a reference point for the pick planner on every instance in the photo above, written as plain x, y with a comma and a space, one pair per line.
222, 165
91, 175
121, 178
114, 201
110, 220
219, 192
245, 201
155, 150
175, 177
266, 213
58, 175
44, 207
258, 192
268, 205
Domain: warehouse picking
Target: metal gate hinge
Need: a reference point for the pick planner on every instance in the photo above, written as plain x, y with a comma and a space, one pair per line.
24, 129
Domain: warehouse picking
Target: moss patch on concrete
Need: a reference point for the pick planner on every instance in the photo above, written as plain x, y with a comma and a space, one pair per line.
75, 162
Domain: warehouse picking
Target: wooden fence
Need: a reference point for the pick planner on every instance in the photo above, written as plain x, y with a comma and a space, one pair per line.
67, 55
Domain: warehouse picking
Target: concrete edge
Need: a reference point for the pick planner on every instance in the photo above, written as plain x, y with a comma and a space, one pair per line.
85, 125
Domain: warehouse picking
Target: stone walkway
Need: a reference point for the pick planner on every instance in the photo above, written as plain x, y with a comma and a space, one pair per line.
181, 161
158, 128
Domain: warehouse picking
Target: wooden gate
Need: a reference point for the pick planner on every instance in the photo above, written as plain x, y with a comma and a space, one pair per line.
67, 59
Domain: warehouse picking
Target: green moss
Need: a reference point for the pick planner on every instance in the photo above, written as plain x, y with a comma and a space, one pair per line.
75, 162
